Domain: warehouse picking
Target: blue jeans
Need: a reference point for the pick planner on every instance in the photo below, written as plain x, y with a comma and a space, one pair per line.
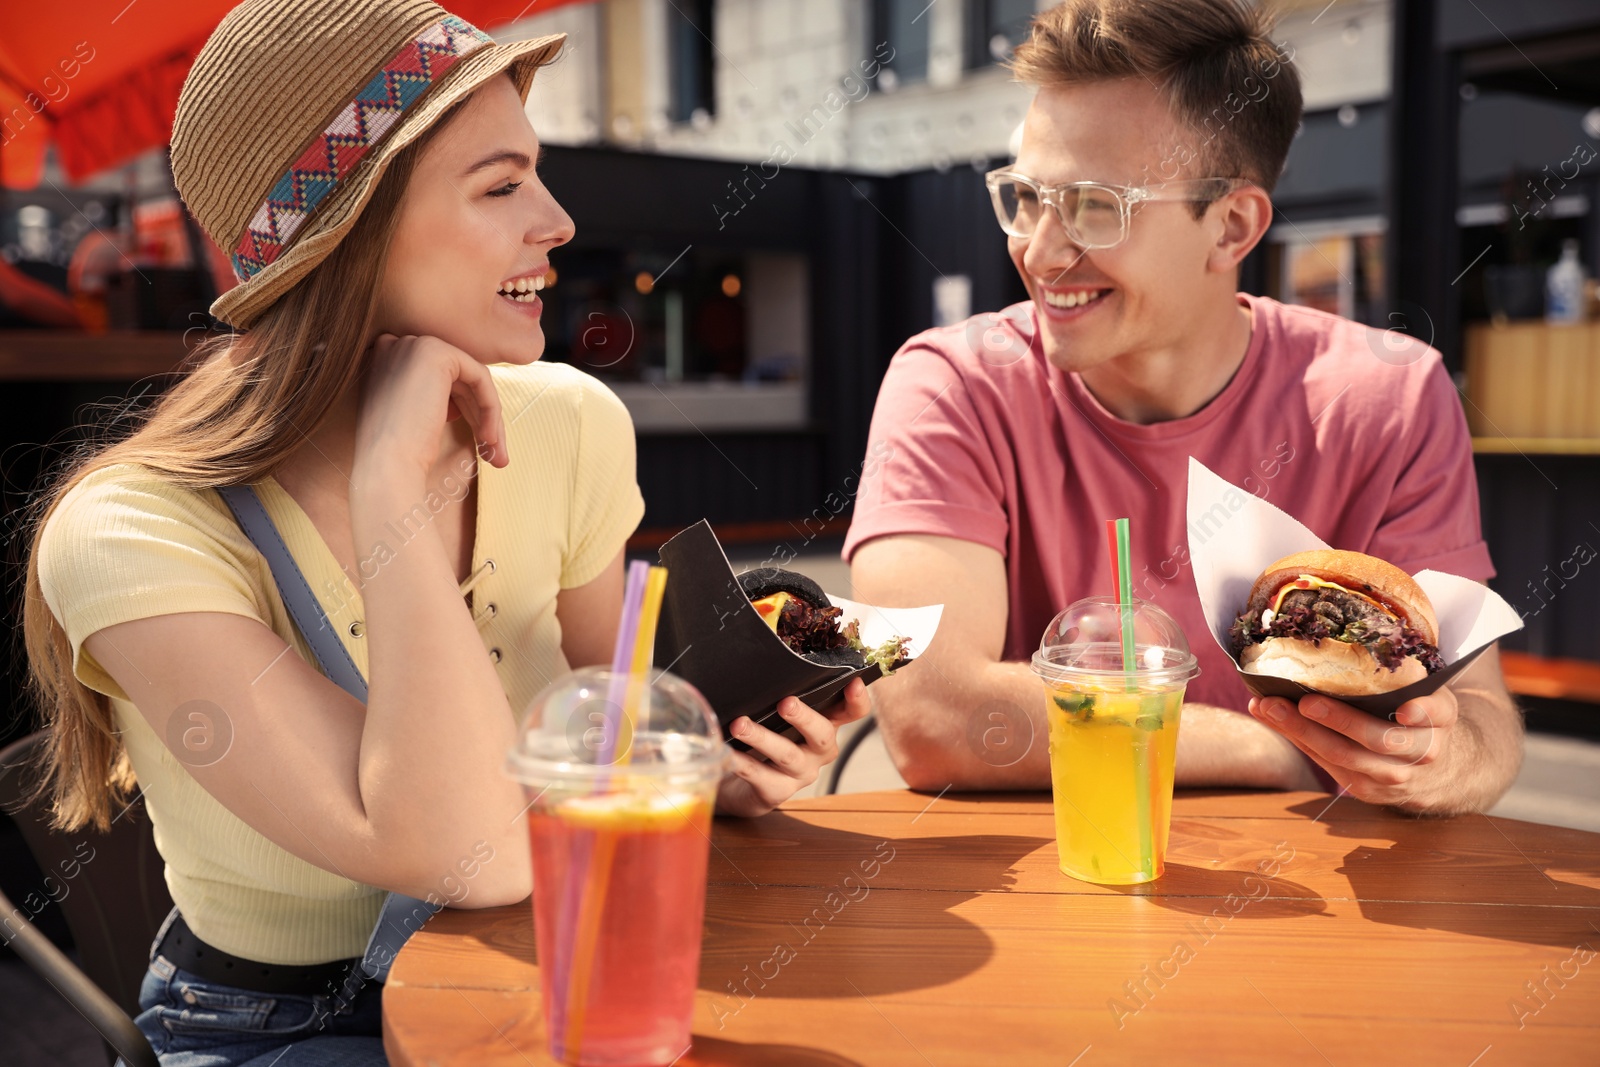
192, 1022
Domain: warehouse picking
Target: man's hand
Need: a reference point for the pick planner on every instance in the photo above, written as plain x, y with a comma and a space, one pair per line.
1456, 750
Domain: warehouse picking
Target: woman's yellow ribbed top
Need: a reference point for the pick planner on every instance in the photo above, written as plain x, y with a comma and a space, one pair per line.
125, 545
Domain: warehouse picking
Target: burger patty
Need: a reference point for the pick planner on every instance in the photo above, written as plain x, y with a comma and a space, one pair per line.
1316, 615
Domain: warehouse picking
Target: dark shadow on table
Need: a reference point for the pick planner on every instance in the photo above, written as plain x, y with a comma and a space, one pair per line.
1227, 894
1433, 878
886, 940
720, 1052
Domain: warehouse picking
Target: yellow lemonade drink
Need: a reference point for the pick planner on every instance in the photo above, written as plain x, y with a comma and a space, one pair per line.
1111, 761
1114, 677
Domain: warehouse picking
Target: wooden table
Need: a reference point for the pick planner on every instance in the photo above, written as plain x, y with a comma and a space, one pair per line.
1288, 929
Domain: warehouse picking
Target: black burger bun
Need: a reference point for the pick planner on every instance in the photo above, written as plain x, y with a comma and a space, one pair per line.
765, 581
853, 658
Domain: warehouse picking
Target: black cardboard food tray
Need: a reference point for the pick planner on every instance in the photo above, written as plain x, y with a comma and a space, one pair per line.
1383, 705
711, 636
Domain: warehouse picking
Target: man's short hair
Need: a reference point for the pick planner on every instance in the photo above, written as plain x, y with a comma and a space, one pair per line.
1227, 83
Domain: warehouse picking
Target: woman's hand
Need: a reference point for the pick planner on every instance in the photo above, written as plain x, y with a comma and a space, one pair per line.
756, 786
414, 385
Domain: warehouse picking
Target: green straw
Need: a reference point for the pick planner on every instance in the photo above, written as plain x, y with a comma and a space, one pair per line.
1125, 598
1141, 742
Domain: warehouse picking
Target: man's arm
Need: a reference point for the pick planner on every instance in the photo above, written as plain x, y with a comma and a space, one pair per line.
961, 717
1455, 751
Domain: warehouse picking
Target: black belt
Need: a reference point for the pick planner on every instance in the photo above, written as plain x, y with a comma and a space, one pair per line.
189, 953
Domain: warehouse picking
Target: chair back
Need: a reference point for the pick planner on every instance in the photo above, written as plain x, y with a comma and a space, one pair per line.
111, 886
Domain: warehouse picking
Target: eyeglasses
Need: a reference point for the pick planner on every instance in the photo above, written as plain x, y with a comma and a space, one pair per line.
1093, 214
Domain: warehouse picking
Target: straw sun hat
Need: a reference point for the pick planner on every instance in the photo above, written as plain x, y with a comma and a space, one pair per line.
291, 114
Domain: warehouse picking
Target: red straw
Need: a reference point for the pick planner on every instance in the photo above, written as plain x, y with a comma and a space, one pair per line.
1111, 545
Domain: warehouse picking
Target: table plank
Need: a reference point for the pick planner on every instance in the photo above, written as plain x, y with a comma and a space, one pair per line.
956, 949
1040, 968
865, 1031
1197, 803
1380, 939
1467, 859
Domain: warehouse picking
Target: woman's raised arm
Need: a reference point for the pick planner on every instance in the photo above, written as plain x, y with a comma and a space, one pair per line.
397, 795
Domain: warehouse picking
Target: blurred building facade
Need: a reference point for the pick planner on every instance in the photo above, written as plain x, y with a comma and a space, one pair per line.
837, 149
793, 187
772, 195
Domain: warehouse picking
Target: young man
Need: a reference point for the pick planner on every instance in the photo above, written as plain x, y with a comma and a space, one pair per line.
1007, 441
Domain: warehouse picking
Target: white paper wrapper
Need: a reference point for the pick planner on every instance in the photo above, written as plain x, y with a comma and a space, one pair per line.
880, 624
1235, 535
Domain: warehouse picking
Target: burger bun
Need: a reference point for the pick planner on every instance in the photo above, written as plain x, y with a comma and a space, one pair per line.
1336, 668
1369, 575
765, 581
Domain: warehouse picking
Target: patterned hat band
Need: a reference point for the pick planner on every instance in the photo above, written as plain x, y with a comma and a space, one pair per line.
360, 127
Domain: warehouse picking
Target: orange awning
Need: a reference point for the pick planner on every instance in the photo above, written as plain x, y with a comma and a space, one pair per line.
100, 78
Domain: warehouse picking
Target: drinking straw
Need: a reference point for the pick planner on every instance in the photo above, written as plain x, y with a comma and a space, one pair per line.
588, 936
1125, 598
605, 843
622, 658
643, 652
574, 897
1141, 743
1111, 546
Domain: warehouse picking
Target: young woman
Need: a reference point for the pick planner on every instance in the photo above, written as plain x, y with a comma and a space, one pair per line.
460, 524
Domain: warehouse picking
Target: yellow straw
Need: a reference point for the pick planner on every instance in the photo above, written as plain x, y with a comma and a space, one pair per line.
593, 904
643, 651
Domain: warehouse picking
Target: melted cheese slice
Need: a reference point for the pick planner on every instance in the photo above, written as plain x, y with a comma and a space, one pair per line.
770, 607
1306, 581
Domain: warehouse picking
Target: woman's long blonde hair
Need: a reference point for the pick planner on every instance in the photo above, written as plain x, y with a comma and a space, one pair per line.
250, 402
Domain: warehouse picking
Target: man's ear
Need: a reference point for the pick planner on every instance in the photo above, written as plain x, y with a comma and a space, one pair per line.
1241, 219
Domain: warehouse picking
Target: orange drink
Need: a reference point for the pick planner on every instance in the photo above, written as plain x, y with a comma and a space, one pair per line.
642, 967
620, 833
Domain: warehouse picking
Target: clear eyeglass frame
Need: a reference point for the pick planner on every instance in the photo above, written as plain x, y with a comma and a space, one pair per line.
1093, 215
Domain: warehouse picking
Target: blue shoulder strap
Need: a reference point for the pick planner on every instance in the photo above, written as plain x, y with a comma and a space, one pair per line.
304, 607
401, 915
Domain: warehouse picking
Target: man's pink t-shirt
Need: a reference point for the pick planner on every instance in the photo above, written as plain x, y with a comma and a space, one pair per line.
1357, 433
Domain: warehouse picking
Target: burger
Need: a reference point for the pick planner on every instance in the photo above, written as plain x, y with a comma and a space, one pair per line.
1342, 623
800, 613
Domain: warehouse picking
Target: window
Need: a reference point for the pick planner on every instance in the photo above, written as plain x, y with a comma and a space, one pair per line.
903, 25
628, 315
689, 342
995, 28
1334, 265
691, 62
